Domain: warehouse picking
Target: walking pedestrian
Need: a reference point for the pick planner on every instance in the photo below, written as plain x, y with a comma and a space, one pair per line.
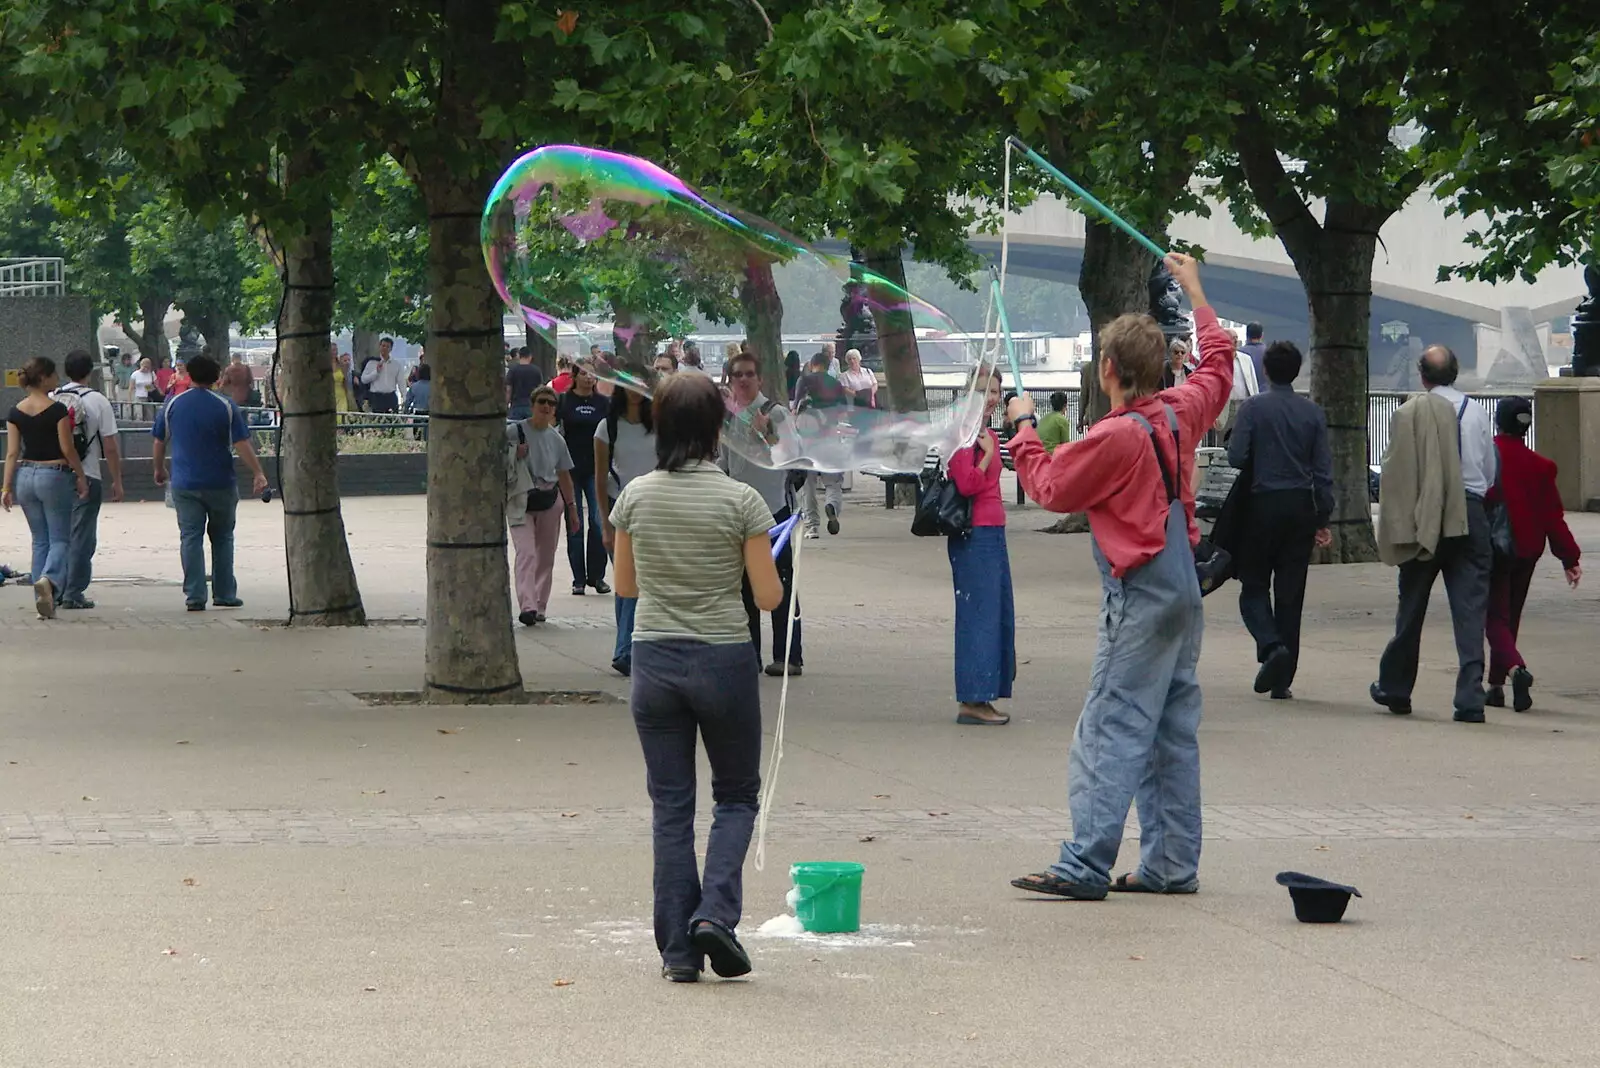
44, 475
381, 377
1281, 439
1055, 429
1436, 474
694, 670
1132, 473
1256, 350
547, 497
202, 429
580, 412
563, 379
624, 449
980, 568
1526, 489
95, 426
821, 400
521, 380
755, 414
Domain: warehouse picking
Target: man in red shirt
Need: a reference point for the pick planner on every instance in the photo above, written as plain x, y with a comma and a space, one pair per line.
1133, 473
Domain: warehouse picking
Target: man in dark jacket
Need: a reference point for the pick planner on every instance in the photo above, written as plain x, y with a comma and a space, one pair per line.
1282, 438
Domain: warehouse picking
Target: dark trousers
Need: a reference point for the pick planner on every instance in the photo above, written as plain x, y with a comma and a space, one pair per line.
1274, 554
986, 627
1508, 592
780, 614
679, 688
587, 567
1465, 564
85, 539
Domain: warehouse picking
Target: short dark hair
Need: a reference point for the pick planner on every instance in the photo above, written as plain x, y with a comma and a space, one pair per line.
744, 357
688, 421
1253, 331
1282, 362
78, 364
203, 371
390, 340
1058, 401
1438, 366
524, 353
1514, 416
36, 370
819, 362
424, 372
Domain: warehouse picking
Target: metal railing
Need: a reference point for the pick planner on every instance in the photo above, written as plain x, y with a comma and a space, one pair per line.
38, 276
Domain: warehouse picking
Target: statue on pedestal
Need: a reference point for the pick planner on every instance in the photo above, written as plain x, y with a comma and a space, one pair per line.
1586, 328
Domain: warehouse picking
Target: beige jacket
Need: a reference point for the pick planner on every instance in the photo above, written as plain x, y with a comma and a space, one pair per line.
519, 480
1422, 500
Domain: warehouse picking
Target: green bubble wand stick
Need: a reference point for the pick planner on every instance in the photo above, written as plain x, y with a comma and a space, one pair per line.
1088, 198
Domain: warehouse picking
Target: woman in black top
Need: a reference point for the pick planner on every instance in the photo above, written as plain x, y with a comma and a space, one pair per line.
44, 475
581, 411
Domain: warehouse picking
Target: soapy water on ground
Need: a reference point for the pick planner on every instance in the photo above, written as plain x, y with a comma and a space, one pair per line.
779, 933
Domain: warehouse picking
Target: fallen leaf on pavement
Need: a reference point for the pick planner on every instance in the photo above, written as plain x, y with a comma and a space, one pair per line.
1580, 958
569, 815
183, 741
938, 813
1468, 816
369, 989
880, 797
934, 1012
374, 793
190, 881
972, 1036
868, 838
562, 982
169, 952
438, 797
86, 797
1136, 957
1322, 849
443, 730
570, 763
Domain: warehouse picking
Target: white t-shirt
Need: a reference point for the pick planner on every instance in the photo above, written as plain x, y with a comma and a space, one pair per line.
143, 383
633, 455
100, 422
864, 382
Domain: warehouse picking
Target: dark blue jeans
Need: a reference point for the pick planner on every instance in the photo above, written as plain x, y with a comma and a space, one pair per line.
85, 539
681, 688
780, 614
590, 567
202, 513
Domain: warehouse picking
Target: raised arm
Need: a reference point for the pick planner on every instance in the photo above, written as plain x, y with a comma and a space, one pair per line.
1079, 474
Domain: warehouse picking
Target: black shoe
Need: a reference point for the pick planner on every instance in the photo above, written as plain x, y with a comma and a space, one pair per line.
1400, 706
1521, 687
833, 519
600, 586
578, 589
528, 619
728, 958
196, 606
623, 667
1284, 694
776, 670
1495, 697
74, 603
1470, 715
539, 617
680, 973
227, 602
1274, 670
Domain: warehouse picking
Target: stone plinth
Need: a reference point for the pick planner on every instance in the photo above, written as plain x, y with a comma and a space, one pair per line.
1567, 430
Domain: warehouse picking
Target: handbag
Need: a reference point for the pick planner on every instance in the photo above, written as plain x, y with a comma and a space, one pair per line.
1501, 537
542, 500
942, 510
1213, 565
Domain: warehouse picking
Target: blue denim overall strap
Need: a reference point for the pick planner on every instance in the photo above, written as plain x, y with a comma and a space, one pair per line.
1136, 738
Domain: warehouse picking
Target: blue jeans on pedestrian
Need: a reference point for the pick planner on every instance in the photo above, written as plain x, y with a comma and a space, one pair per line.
45, 493
986, 630
202, 513
624, 609
587, 568
1137, 736
681, 688
85, 539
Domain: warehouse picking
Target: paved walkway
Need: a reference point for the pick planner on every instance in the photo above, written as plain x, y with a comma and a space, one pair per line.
215, 851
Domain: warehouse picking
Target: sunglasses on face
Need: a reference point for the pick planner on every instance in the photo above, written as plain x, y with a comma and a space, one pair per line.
546, 403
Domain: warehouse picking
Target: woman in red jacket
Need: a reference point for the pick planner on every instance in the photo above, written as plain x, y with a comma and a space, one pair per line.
1527, 487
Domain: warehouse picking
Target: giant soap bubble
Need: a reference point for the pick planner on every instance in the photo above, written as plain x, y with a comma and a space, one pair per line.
577, 234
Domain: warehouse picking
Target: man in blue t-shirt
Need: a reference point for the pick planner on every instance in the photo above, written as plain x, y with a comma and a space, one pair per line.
202, 428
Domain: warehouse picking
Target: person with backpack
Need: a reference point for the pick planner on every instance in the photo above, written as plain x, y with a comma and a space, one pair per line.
41, 466
94, 435
624, 449
202, 428
1132, 472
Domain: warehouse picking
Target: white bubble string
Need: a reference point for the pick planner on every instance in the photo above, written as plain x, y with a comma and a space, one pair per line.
769, 781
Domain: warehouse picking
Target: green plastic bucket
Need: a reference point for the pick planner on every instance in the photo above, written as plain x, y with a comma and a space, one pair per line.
827, 895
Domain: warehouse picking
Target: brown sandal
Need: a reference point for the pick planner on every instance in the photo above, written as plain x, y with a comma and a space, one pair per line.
1045, 882
1129, 883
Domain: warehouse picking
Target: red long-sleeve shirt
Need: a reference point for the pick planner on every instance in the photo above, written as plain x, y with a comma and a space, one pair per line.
983, 487
1528, 486
1111, 472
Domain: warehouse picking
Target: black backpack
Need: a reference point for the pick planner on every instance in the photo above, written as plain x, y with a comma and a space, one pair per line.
78, 414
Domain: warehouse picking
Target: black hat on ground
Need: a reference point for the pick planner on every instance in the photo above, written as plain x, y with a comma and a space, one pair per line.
1316, 900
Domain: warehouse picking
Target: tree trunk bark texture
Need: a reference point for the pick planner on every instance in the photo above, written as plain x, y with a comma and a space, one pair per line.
216, 326
152, 335
1113, 281
1338, 283
897, 338
471, 654
322, 580
763, 320
363, 345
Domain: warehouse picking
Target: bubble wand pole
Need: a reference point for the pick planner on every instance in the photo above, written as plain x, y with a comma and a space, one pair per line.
1088, 198
998, 297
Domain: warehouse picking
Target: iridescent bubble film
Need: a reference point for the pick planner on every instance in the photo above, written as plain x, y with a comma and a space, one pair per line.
617, 248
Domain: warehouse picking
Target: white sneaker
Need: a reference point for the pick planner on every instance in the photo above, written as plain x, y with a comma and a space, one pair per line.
44, 598
813, 535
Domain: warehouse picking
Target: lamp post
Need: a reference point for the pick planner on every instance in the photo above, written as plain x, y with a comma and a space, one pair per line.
1586, 330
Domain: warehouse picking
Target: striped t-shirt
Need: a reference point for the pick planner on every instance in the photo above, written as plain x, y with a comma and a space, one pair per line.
688, 530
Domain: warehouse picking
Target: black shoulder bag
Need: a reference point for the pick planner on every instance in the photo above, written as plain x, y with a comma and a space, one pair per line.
1213, 566
539, 500
942, 510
